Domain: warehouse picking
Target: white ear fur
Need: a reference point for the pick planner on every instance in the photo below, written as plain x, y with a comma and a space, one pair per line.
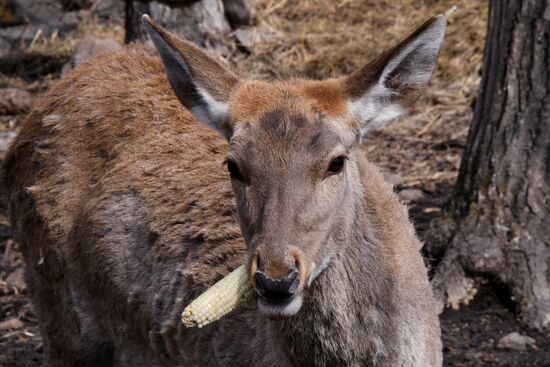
375, 109
210, 111
411, 66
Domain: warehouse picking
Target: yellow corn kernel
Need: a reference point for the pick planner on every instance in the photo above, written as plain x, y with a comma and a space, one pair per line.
219, 300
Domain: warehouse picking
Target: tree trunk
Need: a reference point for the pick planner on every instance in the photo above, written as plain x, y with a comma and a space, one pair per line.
202, 22
133, 11
497, 224
205, 22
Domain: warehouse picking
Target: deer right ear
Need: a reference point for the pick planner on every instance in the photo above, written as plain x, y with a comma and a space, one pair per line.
380, 91
200, 83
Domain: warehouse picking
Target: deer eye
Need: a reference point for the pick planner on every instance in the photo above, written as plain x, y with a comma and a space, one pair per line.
234, 171
336, 166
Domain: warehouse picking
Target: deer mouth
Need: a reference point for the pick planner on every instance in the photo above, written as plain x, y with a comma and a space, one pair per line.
279, 298
284, 307
280, 309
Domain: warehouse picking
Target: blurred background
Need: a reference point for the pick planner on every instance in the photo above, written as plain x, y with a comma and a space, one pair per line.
41, 40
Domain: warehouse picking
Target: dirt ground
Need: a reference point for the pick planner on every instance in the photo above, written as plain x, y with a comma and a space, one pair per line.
420, 154
470, 335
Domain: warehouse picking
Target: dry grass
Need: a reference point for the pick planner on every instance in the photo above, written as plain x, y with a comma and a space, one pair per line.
328, 38
65, 46
61, 48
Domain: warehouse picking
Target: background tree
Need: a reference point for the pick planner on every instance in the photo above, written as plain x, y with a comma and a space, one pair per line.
497, 224
201, 21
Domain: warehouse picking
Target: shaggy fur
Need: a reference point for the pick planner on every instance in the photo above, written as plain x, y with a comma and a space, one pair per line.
124, 213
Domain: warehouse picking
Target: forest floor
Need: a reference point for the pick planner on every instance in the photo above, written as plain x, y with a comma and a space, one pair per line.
420, 153
470, 334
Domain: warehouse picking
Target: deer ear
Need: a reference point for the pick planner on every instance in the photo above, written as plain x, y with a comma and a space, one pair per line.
380, 91
200, 83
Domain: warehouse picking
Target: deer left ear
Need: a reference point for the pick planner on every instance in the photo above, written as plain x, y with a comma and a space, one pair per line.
380, 91
200, 82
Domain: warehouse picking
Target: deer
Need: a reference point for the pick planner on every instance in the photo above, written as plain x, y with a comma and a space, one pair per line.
147, 174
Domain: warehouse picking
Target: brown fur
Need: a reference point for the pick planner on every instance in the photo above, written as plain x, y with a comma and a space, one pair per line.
125, 213
256, 97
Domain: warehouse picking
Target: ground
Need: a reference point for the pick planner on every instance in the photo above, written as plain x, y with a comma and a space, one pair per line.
420, 154
470, 335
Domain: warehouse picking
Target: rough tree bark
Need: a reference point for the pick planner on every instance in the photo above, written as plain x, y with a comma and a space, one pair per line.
497, 224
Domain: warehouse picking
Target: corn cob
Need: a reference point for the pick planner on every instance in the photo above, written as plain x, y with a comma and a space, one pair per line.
219, 300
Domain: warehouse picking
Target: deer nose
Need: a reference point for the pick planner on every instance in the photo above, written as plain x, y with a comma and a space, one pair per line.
276, 289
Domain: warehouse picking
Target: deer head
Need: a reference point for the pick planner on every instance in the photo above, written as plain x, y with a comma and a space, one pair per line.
293, 150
